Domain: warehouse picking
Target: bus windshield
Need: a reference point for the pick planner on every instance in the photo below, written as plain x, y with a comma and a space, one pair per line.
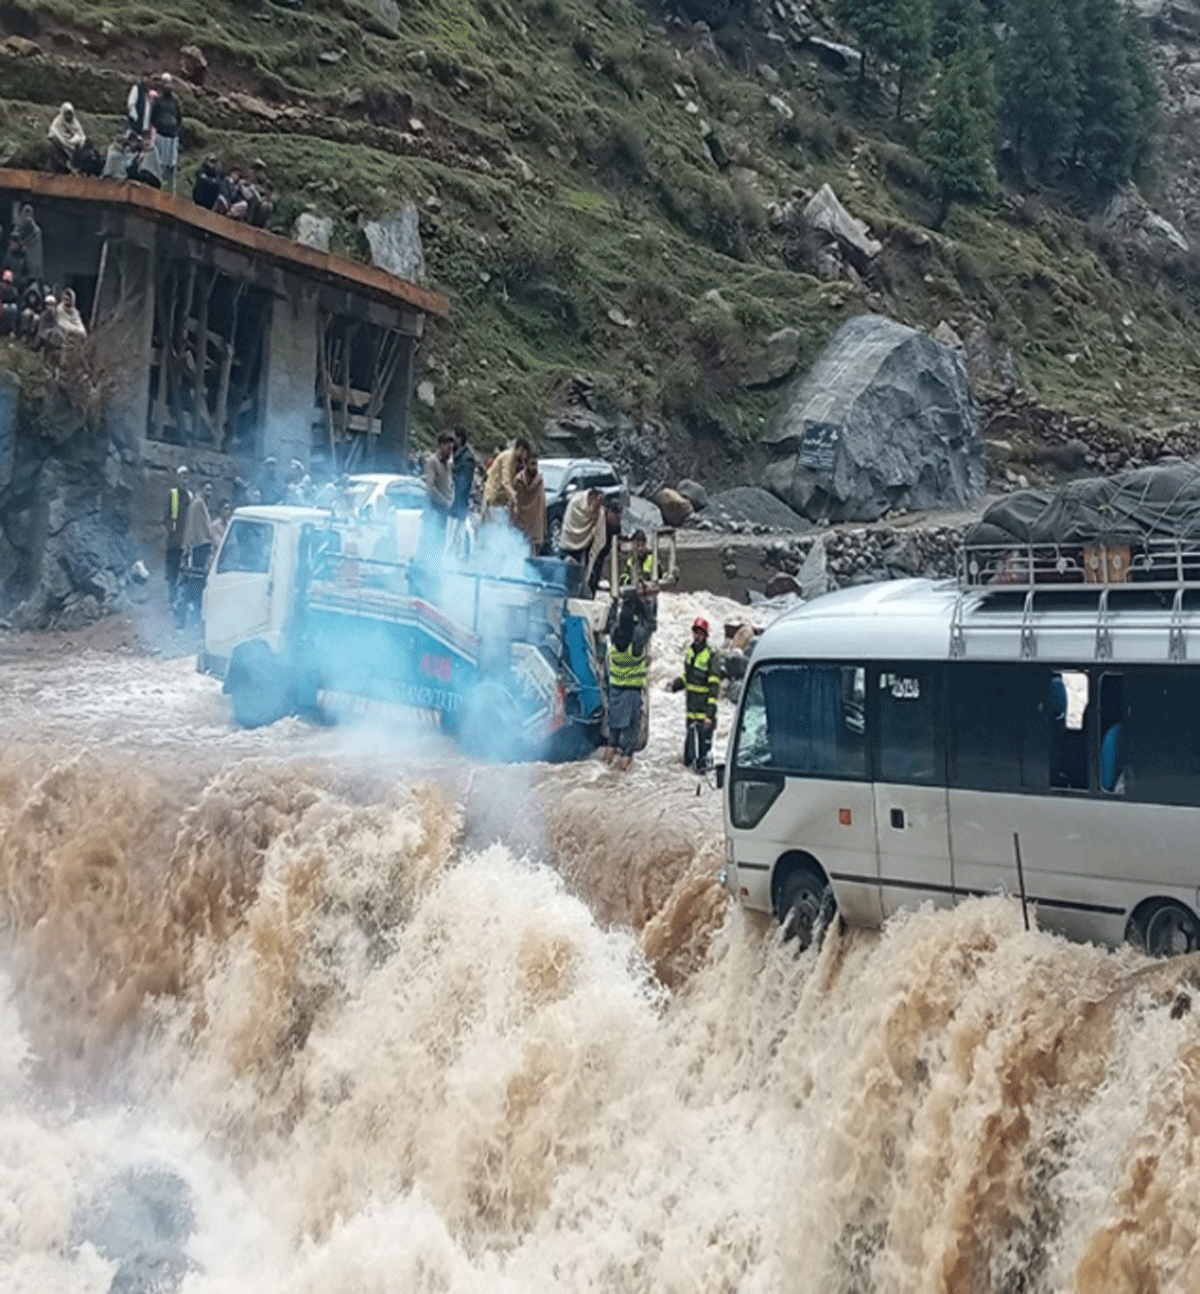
804, 719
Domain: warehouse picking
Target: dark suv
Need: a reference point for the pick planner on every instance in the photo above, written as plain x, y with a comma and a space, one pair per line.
567, 476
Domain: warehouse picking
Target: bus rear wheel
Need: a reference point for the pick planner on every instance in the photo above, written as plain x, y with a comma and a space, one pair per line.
1166, 929
806, 907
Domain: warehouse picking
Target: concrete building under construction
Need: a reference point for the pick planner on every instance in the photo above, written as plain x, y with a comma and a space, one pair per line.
228, 339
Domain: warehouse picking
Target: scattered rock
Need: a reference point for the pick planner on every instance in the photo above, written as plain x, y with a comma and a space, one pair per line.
777, 360
418, 60
750, 505
387, 11
353, 96
885, 418
781, 584
425, 393
842, 58
781, 106
716, 150
1131, 218
694, 493
193, 66
395, 243
826, 213
313, 231
330, 57
20, 46
616, 316
674, 507
641, 514
768, 74
814, 573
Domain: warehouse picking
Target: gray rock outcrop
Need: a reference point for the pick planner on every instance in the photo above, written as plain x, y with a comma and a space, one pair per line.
1130, 217
826, 213
395, 243
313, 231
884, 419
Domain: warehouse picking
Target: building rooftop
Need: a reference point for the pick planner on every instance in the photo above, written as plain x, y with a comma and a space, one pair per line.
366, 280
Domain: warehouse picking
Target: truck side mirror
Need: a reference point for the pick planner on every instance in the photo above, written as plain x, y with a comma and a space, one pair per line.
720, 772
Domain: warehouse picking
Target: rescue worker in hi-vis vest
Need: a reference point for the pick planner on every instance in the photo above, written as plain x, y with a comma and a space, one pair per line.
179, 499
639, 566
701, 679
628, 665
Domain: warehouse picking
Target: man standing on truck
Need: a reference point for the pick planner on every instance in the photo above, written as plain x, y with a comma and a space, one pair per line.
463, 471
498, 493
178, 499
439, 499
701, 679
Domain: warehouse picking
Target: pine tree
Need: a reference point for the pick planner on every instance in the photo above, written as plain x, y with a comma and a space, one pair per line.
892, 31
1107, 142
959, 27
909, 44
1140, 61
957, 144
1039, 97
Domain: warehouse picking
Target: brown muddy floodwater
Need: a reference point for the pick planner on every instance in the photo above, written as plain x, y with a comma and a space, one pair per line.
397, 1023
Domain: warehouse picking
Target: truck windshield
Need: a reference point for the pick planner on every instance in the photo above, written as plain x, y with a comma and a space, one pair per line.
247, 547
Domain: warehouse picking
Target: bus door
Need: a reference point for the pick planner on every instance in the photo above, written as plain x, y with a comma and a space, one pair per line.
911, 813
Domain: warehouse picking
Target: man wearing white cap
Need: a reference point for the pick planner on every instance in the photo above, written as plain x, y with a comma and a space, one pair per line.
166, 117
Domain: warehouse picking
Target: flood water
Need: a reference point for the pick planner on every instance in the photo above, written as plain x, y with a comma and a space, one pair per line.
399, 1023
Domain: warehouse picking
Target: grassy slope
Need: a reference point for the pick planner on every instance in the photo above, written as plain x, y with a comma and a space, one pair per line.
560, 175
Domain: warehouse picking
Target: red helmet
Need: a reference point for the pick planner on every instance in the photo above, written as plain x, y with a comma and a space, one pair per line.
700, 623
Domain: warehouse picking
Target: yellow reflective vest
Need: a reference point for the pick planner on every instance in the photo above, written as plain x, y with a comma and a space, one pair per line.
627, 668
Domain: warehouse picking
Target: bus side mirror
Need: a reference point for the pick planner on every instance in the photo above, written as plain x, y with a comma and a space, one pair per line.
720, 772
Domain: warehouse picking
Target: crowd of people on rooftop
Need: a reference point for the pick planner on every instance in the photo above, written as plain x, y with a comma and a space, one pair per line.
31, 307
147, 152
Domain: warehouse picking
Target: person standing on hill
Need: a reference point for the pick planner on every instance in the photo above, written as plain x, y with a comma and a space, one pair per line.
701, 679
178, 501
137, 106
166, 116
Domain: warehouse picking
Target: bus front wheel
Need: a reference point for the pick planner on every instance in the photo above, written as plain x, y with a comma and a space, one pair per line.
806, 907
1165, 928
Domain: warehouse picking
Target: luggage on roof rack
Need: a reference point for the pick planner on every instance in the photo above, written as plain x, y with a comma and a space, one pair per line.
1140, 527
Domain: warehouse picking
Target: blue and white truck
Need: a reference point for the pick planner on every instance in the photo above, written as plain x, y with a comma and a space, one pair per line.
306, 613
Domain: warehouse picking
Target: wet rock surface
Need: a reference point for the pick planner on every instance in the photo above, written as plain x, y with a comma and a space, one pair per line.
141, 1220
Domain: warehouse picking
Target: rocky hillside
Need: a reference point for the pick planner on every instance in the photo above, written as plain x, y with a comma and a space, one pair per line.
614, 198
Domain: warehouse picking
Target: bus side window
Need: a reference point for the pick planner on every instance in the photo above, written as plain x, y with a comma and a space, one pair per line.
1112, 734
1068, 731
910, 745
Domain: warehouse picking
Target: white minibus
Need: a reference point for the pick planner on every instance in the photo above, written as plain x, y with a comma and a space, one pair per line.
914, 741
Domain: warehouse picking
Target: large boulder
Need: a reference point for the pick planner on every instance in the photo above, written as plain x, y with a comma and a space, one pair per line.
395, 243
884, 419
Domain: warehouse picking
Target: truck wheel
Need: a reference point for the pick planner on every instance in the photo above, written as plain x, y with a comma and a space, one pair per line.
257, 689
1165, 928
